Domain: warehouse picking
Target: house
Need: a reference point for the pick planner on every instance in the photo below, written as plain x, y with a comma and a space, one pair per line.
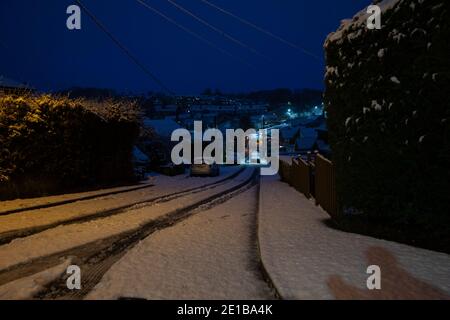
289, 134
162, 127
307, 140
252, 108
206, 108
9, 86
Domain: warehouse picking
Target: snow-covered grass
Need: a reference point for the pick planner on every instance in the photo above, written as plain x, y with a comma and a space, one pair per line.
306, 259
70, 236
209, 256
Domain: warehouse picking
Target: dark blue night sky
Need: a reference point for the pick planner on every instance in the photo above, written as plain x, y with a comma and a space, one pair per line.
36, 47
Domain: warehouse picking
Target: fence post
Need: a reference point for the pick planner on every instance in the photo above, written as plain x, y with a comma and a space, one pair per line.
325, 192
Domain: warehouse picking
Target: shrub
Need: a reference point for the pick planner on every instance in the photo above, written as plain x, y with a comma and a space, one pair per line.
388, 104
50, 144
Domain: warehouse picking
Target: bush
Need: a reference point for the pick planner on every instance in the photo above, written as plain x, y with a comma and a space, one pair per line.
388, 104
49, 144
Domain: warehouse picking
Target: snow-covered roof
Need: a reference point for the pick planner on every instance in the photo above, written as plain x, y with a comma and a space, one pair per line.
308, 132
139, 156
358, 19
9, 83
289, 132
162, 127
305, 143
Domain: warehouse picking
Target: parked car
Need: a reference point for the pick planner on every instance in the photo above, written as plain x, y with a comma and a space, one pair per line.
204, 169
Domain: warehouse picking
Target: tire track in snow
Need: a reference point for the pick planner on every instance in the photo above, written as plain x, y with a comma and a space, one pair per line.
9, 236
212, 255
96, 265
99, 255
73, 200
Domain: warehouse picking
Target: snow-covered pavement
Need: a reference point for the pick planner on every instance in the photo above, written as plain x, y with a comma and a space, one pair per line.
212, 255
306, 259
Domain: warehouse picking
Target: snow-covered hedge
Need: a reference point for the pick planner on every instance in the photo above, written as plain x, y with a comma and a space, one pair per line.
48, 144
388, 101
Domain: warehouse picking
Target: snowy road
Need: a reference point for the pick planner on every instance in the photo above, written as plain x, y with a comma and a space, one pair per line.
96, 238
212, 255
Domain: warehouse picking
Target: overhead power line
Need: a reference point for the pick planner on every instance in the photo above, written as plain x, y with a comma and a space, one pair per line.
264, 31
123, 48
192, 33
221, 32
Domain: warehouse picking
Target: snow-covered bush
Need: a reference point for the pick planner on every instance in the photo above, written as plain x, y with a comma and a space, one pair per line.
50, 144
388, 102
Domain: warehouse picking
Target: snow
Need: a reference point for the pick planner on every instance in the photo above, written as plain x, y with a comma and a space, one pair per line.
358, 20
289, 133
306, 259
209, 256
306, 143
163, 185
26, 288
62, 238
347, 121
395, 80
308, 132
42, 201
421, 139
139, 156
376, 105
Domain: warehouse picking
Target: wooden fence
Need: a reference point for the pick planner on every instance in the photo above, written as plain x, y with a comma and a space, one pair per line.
325, 186
313, 179
300, 177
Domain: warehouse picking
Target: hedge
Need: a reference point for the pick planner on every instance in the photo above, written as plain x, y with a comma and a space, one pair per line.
388, 105
49, 144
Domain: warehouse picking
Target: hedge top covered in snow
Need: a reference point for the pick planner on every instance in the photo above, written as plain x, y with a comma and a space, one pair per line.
351, 28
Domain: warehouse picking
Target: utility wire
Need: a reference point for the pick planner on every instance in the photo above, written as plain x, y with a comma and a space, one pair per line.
264, 31
124, 49
192, 33
221, 32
